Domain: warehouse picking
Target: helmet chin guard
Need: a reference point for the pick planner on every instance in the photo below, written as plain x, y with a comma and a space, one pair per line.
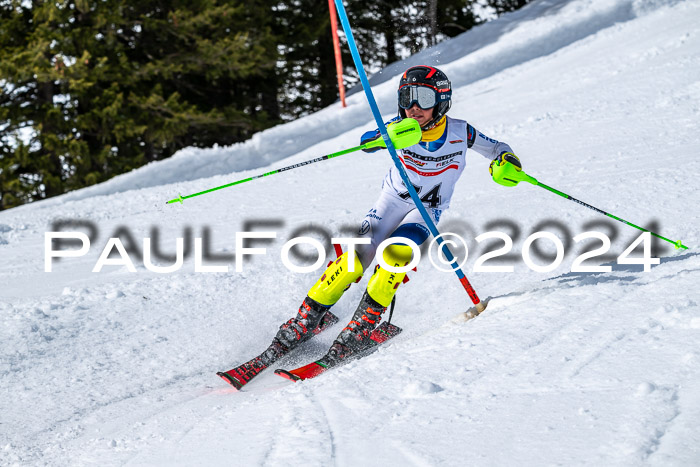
423, 75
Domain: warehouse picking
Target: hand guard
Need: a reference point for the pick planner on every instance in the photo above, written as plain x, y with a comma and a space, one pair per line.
502, 168
375, 134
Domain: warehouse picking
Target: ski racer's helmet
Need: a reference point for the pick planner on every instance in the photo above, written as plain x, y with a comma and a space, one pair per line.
428, 87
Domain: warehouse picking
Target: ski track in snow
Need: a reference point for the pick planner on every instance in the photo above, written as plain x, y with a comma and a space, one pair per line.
599, 98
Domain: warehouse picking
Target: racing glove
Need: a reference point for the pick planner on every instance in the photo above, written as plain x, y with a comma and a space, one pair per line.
502, 166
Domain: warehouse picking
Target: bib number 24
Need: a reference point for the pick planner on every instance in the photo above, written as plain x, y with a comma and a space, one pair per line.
431, 198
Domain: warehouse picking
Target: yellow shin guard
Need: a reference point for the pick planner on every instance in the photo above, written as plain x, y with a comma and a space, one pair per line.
383, 284
336, 278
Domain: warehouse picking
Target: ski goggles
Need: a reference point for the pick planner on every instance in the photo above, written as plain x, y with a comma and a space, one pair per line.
425, 97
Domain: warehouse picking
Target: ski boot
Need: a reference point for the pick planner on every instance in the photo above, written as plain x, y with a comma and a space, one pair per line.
301, 328
356, 335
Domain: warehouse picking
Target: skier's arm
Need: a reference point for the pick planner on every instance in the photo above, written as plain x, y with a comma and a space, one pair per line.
502, 158
487, 147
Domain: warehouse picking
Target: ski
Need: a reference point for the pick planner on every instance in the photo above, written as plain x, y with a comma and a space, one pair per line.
244, 373
383, 333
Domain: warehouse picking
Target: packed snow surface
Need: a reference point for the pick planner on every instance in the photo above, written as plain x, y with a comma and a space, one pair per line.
599, 98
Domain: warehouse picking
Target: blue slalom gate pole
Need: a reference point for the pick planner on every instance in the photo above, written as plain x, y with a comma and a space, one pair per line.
389, 145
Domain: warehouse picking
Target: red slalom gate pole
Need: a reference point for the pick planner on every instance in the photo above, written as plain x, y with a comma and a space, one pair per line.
336, 48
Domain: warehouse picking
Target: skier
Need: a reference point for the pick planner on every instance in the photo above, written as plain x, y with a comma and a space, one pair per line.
433, 166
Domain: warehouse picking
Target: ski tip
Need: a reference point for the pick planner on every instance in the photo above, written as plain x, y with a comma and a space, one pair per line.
230, 380
286, 374
305, 372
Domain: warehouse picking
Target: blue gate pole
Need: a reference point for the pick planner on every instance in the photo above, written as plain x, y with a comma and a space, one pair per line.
389, 145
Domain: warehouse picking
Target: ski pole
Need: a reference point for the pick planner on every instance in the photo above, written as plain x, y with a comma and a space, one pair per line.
403, 134
479, 305
181, 198
515, 176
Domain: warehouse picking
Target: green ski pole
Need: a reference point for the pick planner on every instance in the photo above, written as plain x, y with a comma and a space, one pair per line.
511, 176
404, 133
181, 198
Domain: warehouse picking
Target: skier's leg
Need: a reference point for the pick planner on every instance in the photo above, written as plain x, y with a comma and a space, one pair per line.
382, 285
384, 216
380, 291
324, 294
336, 279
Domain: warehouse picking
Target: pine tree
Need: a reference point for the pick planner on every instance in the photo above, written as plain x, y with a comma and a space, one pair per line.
504, 6
94, 89
307, 70
456, 16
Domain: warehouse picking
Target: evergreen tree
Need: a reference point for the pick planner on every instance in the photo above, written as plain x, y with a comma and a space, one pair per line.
381, 29
307, 73
504, 6
456, 16
94, 89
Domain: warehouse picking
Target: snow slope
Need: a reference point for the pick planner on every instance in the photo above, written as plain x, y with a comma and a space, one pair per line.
599, 98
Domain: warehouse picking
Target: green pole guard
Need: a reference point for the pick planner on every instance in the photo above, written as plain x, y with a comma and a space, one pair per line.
403, 134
